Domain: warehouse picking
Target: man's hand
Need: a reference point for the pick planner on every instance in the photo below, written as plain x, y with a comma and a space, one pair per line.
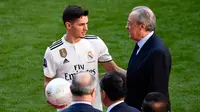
56, 106
111, 65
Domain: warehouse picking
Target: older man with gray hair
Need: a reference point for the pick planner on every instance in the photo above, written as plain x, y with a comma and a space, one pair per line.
150, 63
83, 90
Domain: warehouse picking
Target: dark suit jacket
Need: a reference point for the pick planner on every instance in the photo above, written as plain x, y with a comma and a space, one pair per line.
148, 72
81, 107
123, 107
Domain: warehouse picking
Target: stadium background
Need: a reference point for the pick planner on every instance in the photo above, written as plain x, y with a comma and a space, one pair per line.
27, 27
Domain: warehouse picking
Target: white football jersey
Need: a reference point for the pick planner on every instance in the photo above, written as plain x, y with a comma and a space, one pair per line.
63, 59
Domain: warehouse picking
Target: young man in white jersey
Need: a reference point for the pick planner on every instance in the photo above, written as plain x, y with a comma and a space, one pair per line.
76, 52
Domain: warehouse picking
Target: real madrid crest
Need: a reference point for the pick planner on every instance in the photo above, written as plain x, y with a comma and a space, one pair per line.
90, 55
63, 52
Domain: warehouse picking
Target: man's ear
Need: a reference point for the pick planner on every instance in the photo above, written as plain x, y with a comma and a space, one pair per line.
103, 93
68, 25
93, 92
143, 26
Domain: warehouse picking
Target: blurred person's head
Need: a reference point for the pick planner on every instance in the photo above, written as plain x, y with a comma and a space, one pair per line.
155, 102
83, 87
113, 87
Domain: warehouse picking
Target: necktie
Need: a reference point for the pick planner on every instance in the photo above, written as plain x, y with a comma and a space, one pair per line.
135, 49
133, 56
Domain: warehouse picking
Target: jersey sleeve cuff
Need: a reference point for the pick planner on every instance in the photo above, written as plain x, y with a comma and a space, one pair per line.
104, 61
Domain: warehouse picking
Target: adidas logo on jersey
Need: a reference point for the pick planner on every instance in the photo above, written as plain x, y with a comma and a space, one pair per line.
65, 61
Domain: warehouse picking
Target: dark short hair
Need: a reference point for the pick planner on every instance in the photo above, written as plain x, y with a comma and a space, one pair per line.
114, 85
73, 12
155, 102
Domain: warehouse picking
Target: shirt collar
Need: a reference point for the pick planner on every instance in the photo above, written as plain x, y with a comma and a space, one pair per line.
63, 39
76, 102
68, 43
113, 105
144, 40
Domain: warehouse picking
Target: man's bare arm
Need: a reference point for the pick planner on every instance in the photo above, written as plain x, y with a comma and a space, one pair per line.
46, 81
111, 65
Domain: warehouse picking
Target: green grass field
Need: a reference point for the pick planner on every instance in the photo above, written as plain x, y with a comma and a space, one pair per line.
27, 27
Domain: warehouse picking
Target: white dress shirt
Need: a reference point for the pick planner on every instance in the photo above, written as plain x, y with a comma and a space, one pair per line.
143, 41
113, 105
76, 102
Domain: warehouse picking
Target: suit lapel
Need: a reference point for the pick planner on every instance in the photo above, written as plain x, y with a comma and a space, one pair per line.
143, 53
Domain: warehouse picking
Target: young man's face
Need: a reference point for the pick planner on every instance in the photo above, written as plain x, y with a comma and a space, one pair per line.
80, 27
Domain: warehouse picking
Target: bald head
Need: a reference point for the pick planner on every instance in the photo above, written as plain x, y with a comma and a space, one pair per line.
144, 15
83, 84
83, 78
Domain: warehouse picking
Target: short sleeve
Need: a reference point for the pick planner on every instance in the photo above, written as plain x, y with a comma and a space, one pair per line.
104, 55
49, 65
